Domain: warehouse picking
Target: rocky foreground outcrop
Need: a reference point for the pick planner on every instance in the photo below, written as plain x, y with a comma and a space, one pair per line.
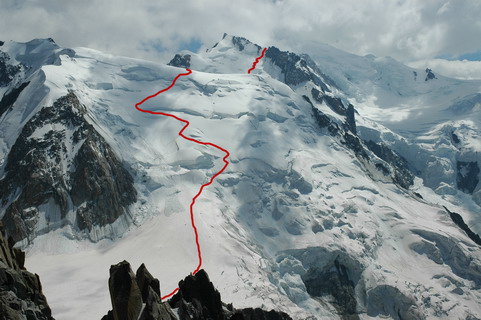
137, 296
21, 294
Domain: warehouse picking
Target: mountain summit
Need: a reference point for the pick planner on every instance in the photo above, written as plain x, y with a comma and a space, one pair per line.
333, 205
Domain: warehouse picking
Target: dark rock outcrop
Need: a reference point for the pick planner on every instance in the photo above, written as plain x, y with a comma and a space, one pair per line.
455, 138
351, 119
147, 282
335, 104
259, 314
459, 221
196, 293
467, 175
181, 61
348, 138
354, 143
241, 42
296, 69
336, 277
130, 292
7, 71
60, 157
9, 98
124, 292
335, 282
21, 294
402, 175
338, 107
196, 299
429, 75
317, 95
400, 172
322, 119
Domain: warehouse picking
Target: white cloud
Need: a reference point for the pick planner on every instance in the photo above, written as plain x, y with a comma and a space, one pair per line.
466, 70
407, 30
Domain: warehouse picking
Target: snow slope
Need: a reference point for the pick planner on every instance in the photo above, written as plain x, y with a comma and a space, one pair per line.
293, 205
420, 118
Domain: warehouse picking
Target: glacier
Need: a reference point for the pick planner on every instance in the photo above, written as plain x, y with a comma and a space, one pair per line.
307, 219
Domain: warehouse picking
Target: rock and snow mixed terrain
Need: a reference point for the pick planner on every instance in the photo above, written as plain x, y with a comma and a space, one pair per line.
332, 205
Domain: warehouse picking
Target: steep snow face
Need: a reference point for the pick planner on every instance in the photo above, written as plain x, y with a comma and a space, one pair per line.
303, 202
433, 121
23, 62
230, 55
411, 100
34, 54
56, 170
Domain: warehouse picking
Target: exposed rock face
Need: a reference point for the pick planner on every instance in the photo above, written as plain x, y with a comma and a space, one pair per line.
429, 75
7, 71
322, 119
335, 282
259, 314
455, 138
147, 282
296, 69
468, 176
10, 97
197, 290
335, 104
338, 278
129, 292
124, 292
150, 289
241, 43
197, 299
181, 61
60, 157
459, 221
21, 294
402, 175
394, 165
351, 119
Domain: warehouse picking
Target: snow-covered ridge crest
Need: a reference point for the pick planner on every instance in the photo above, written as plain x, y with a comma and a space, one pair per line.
311, 195
56, 165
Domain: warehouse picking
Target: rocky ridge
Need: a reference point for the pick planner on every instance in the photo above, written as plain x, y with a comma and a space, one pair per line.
137, 296
59, 160
21, 294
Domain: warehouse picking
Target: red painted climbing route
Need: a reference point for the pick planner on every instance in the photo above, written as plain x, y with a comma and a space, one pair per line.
226, 163
254, 64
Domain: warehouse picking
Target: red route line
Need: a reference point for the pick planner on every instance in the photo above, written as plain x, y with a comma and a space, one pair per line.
226, 163
254, 64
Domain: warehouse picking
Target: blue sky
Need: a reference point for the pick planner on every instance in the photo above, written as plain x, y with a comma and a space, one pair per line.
192, 45
473, 56
469, 56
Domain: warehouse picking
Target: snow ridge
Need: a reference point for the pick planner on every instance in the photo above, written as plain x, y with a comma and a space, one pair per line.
305, 200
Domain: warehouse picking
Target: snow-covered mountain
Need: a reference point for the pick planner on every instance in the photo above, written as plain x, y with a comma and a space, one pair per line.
438, 114
331, 207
